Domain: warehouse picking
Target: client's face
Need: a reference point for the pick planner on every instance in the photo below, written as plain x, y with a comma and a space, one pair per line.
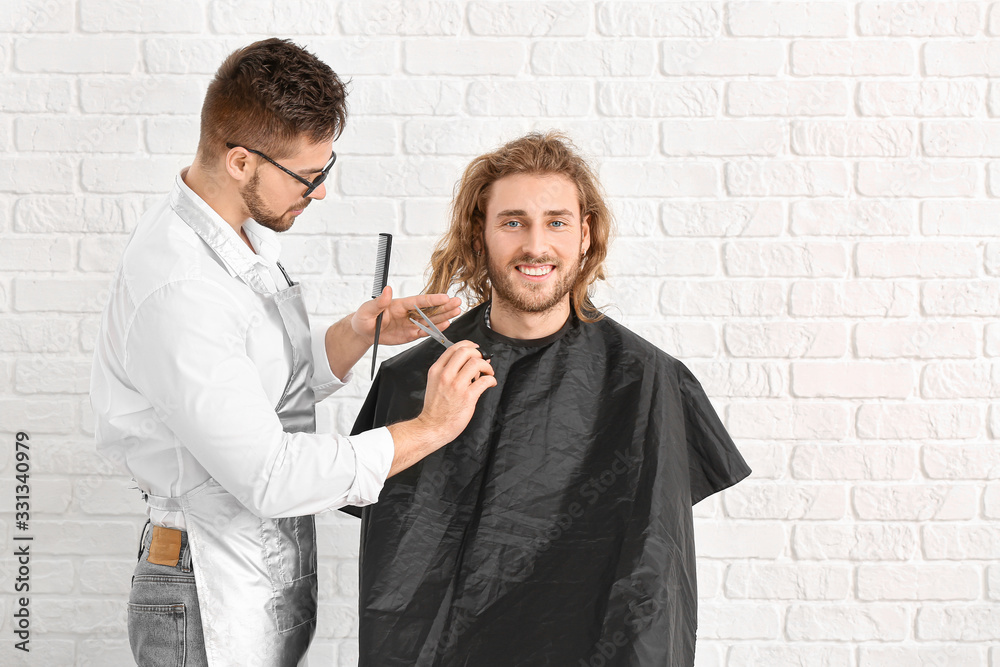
534, 240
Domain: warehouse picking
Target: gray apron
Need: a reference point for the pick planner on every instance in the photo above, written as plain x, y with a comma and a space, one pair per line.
256, 577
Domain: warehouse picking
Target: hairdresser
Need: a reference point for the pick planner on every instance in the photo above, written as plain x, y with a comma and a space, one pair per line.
207, 371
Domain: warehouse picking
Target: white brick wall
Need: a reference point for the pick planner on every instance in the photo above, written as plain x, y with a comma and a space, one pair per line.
807, 198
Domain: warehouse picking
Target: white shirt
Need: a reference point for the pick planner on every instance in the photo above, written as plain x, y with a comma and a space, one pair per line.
192, 359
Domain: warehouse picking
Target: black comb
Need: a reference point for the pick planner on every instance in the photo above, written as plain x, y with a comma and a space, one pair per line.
378, 284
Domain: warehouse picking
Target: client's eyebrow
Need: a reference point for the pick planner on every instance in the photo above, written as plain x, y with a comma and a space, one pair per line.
512, 212
517, 212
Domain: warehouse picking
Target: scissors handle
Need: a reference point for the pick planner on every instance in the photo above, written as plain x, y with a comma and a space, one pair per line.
435, 333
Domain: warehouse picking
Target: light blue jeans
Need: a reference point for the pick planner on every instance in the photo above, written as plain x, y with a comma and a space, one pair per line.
164, 621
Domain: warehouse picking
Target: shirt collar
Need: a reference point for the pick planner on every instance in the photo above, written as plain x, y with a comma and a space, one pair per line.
264, 240
223, 239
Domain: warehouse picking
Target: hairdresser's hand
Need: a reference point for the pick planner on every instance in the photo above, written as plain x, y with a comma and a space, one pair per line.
396, 325
454, 384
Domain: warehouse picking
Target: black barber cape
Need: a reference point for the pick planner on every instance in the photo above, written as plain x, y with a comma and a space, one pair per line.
557, 529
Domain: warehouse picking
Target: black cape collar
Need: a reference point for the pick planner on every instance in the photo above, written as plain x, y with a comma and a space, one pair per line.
571, 325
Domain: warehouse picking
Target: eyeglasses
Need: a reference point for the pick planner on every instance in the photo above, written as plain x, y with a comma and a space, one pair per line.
310, 185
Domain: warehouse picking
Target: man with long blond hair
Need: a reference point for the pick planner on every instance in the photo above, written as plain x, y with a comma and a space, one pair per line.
556, 530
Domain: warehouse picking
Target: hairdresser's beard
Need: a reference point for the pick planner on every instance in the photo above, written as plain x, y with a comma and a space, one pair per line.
528, 297
259, 211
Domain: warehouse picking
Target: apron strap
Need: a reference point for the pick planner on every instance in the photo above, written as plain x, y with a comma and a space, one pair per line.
180, 503
164, 503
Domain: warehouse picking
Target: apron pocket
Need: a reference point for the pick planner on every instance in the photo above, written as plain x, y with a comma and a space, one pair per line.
156, 633
289, 548
295, 604
290, 553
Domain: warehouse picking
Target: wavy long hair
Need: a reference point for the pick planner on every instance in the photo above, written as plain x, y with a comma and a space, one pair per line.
458, 258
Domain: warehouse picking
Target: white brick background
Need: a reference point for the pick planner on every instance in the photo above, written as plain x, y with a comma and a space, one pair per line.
808, 196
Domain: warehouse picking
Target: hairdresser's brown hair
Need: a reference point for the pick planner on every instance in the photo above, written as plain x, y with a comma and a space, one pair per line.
266, 96
458, 257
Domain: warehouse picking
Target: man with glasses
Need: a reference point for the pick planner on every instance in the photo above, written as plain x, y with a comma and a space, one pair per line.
207, 371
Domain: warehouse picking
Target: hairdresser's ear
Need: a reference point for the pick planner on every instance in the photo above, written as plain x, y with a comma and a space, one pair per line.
585, 231
238, 164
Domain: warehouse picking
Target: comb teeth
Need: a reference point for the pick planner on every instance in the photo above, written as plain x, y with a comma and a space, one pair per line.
382, 264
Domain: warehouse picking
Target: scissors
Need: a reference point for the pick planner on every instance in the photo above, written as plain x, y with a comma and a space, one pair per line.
436, 334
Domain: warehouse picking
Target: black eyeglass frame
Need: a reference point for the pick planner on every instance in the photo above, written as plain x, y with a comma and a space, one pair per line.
310, 185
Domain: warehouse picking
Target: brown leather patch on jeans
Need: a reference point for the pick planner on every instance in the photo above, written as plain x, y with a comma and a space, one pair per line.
165, 547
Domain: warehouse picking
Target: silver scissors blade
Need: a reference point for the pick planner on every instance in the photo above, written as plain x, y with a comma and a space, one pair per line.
433, 331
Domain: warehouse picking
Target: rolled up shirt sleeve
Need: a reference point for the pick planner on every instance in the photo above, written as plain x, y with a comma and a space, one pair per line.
374, 451
207, 391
